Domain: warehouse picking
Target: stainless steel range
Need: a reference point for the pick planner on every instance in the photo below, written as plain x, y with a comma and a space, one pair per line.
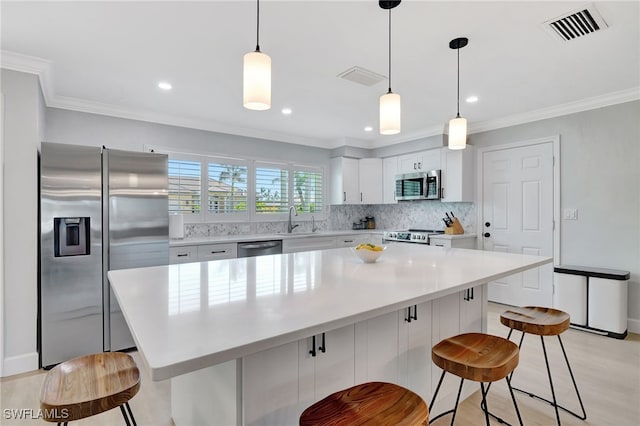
419, 236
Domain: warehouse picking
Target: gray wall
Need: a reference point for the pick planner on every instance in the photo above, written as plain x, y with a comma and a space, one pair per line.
23, 126
600, 176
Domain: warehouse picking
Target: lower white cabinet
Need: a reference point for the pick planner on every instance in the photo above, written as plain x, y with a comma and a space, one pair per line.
467, 241
217, 251
325, 365
376, 350
294, 245
183, 254
415, 343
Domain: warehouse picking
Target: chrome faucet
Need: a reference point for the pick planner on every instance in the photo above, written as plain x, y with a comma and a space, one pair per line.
290, 225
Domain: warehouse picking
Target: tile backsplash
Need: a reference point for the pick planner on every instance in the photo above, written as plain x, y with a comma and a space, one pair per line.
404, 215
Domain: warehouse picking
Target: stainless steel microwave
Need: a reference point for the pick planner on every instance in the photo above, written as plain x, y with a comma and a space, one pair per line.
418, 186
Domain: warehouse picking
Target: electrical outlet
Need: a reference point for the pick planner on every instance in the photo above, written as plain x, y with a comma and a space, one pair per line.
570, 214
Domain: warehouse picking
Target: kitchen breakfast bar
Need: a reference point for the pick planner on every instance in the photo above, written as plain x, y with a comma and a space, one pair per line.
257, 340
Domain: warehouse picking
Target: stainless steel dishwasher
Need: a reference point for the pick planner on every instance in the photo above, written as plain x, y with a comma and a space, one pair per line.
259, 248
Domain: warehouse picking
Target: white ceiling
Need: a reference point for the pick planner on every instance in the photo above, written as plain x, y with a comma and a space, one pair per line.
107, 57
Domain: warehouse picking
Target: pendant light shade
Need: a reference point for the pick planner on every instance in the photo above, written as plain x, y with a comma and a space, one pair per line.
256, 81
389, 102
457, 133
389, 114
458, 125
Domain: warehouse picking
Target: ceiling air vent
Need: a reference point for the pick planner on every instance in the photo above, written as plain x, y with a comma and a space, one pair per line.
576, 24
362, 76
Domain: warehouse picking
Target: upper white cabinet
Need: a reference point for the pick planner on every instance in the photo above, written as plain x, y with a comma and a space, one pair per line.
344, 181
356, 181
458, 174
370, 180
389, 172
420, 161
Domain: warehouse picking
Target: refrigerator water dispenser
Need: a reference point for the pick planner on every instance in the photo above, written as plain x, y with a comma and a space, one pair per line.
71, 236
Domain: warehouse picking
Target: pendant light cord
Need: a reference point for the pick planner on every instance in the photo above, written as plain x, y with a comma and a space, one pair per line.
257, 25
389, 51
458, 113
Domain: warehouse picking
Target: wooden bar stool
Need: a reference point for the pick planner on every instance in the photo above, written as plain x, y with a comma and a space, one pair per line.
89, 385
543, 322
372, 403
478, 357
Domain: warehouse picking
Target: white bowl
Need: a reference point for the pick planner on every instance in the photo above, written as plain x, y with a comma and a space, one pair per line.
368, 256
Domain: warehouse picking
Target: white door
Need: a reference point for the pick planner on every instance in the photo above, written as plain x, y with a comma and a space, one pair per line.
517, 217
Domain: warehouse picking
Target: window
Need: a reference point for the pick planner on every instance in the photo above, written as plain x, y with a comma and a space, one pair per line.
272, 188
226, 188
184, 187
308, 190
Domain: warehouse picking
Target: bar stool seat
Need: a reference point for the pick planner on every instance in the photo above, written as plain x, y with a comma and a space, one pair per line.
89, 385
543, 322
371, 403
478, 357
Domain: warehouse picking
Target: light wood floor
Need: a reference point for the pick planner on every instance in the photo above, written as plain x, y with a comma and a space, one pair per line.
607, 372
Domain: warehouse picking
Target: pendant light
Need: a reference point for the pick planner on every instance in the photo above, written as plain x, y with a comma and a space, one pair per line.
256, 92
458, 125
389, 102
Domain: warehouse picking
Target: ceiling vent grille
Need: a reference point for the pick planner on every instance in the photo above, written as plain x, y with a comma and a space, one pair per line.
362, 76
576, 24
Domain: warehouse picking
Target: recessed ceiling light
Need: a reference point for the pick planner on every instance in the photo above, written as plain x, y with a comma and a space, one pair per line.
287, 111
164, 85
368, 129
472, 99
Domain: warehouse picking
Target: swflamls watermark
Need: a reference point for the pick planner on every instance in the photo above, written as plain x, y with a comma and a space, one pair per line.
33, 414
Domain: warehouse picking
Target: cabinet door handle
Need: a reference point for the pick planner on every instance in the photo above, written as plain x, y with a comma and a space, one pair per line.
183, 254
419, 164
415, 312
344, 196
441, 192
361, 197
218, 251
414, 166
323, 347
348, 241
408, 317
472, 296
312, 352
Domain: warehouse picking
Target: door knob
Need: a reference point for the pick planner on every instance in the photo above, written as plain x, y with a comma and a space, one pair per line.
487, 224
486, 234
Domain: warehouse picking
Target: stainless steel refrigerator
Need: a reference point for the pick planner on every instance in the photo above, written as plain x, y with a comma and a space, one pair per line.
100, 210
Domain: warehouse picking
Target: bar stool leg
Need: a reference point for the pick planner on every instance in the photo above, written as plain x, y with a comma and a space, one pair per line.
513, 398
553, 393
566, 359
483, 404
435, 394
133, 420
124, 414
455, 409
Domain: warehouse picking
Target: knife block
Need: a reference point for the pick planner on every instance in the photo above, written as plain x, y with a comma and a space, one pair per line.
455, 228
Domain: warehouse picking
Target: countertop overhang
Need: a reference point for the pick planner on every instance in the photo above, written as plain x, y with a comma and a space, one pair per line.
191, 316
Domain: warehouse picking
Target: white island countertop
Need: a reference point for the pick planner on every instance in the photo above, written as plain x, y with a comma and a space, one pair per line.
195, 315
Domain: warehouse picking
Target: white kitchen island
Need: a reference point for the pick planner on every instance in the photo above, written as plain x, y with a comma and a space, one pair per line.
256, 340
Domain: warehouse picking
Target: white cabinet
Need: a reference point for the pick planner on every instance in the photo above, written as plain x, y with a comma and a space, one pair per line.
356, 181
183, 254
420, 161
453, 241
344, 181
269, 384
414, 342
325, 365
294, 245
217, 251
370, 180
376, 349
458, 174
389, 172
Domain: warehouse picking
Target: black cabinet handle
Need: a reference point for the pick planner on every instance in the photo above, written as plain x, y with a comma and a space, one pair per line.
472, 296
415, 312
408, 317
183, 254
313, 346
218, 251
323, 348
344, 196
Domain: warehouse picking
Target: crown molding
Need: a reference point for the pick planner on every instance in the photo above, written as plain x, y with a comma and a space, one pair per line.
43, 68
608, 99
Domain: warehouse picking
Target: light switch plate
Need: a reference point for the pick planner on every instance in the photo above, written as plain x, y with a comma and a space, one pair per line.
570, 214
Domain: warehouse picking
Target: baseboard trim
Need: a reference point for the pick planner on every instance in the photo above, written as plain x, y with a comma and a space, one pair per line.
633, 325
20, 364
